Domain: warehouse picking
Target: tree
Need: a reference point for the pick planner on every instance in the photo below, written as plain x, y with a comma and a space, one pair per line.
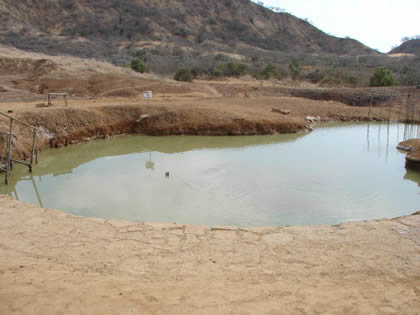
137, 65
382, 77
295, 69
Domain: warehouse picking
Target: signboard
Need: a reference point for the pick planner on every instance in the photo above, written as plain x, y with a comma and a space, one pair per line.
147, 95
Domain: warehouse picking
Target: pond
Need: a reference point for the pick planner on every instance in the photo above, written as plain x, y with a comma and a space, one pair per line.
337, 173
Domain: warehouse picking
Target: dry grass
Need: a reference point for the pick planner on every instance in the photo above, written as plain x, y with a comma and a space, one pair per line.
71, 66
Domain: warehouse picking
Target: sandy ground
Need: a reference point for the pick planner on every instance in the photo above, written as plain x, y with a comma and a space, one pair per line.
56, 263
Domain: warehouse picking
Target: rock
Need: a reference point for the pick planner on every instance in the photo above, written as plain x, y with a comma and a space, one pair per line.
281, 111
409, 145
413, 147
142, 117
313, 118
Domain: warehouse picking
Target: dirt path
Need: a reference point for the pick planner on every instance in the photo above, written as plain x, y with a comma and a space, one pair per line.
55, 263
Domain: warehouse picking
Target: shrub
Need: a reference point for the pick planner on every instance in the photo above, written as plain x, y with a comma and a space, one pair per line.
218, 71
137, 65
195, 72
183, 75
315, 76
233, 69
382, 77
221, 57
230, 69
270, 71
142, 55
295, 69
410, 77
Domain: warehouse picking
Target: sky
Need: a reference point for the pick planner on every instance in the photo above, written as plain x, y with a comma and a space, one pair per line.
379, 24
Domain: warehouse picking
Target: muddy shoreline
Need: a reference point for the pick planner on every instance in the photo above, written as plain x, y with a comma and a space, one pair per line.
60, 126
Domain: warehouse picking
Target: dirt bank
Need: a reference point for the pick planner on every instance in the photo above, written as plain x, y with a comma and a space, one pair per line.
58, 263
84, 120
412, 146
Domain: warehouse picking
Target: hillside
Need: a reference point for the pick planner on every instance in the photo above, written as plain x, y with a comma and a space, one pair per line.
408, 47
115, 29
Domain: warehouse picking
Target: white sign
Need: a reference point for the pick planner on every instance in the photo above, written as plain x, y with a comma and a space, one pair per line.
147, 94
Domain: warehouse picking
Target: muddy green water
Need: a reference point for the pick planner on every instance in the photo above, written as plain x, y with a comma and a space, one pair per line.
334, 174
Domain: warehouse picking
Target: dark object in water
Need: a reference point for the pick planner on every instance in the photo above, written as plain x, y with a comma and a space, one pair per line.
167, 174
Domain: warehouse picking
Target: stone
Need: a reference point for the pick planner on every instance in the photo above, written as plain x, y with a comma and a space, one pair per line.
281, 111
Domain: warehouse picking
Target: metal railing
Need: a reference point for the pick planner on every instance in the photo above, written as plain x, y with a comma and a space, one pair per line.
7, 168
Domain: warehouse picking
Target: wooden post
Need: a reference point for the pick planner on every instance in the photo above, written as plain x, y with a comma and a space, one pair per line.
33, 149
380, 112
9, 158
370, 106
390, 108
407, 112
65, 99
49, 99
399, 111
6, 180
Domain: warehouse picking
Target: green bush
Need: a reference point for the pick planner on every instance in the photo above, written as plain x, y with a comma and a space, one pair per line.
218, 71
137, 65
195, 72
270, 71
295, 69
143, 55
382, 77
183, 75
230, 69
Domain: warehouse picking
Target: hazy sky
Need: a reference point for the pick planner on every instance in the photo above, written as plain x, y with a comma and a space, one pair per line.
380, 24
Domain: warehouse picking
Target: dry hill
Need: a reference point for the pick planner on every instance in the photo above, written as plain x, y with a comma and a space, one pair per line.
408, 47
115, 29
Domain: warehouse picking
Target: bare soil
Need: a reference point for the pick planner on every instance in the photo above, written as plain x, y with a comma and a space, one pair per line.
55, 263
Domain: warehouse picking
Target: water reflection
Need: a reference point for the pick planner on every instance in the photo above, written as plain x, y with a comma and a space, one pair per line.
328, 176
392, 135
35, 189
414, 176
150, 164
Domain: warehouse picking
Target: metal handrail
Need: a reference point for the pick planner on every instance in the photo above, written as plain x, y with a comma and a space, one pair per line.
17, 120
10, 135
